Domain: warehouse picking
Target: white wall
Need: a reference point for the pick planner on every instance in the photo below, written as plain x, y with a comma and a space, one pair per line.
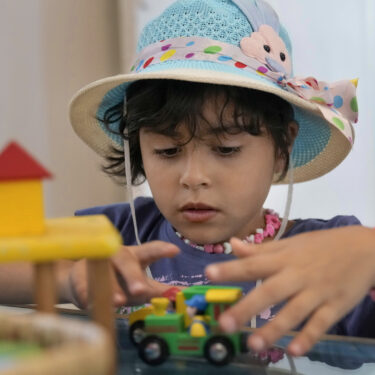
332, 40
50, 49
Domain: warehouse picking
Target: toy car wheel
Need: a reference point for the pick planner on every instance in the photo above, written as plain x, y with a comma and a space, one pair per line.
219, 350
137, 332
153, 350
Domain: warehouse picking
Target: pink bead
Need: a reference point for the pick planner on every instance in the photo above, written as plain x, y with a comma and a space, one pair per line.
218, 248
268, 217
209, 248
263, 355
273, 220
258, 238
265, 314
276, 355
270, 230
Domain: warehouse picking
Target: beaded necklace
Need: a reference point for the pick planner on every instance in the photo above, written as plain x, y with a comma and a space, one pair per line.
272, 225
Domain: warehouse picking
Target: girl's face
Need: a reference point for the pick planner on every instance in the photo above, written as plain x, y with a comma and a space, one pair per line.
214, 186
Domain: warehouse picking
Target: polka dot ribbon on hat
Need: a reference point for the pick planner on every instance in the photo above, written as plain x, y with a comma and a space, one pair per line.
337, 101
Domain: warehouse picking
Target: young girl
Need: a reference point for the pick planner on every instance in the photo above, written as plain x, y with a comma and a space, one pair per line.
211, 115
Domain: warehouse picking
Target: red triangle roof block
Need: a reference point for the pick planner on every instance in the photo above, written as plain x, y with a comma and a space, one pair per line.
18, 164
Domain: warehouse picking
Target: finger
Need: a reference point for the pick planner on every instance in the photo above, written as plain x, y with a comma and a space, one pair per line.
271, 292
291, 315
245, 269
78, 292
119, 297
152, 251
242, 249
77, 284
132, 276
317, 325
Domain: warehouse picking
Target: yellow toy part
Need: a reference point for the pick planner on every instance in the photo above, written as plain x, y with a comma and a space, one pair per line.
140, 314
160, 305
223, 295
64, 238
21, 203
198, 327
355, 82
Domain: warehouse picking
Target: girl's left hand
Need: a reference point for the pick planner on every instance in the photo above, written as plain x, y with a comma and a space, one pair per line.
322, 275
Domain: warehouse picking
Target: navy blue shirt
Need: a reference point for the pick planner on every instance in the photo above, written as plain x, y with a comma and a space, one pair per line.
187, 268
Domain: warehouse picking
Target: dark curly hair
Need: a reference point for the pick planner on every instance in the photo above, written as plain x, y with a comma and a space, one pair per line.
163, 105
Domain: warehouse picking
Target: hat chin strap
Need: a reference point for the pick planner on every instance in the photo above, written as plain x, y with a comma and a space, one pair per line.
128, 179
283, 225
288, 204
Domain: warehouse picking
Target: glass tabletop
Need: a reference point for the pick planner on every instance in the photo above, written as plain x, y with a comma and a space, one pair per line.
331, 355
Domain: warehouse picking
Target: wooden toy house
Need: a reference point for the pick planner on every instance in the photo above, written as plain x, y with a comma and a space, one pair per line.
21, 193
27, 236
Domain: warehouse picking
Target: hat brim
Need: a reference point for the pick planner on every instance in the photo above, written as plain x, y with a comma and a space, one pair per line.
318, 149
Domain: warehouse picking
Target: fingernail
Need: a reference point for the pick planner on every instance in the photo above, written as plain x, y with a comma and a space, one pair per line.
295, 349
212, 272
136, 287
228, 324
171, 247
118, 298
257, 343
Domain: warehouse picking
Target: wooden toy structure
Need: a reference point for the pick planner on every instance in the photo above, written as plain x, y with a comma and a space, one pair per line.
25, 235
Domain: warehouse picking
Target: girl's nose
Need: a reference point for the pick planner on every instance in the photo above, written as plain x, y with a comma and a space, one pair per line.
194, 174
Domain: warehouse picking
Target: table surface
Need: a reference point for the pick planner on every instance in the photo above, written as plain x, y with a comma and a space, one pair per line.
331, 355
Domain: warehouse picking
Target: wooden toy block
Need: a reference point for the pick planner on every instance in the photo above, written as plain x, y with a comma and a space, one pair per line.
21, 197
25, 235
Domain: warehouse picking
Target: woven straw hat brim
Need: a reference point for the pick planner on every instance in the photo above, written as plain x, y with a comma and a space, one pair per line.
84, 107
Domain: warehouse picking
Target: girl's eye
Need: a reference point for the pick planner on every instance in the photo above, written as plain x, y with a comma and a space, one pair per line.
168, 152
227, 151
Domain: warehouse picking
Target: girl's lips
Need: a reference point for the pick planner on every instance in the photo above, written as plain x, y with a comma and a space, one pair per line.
198, 215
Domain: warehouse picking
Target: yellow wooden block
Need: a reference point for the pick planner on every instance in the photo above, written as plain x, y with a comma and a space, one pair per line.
21, 203
223, 295
64, 238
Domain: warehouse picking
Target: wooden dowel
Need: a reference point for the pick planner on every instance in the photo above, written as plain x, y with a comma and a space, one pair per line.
45, 286
100, 294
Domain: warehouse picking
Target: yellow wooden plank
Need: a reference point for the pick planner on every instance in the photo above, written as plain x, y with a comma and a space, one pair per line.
64, 238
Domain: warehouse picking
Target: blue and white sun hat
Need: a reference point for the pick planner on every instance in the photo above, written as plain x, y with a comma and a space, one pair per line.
229, 42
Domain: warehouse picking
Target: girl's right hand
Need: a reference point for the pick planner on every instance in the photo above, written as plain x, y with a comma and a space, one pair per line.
130, 284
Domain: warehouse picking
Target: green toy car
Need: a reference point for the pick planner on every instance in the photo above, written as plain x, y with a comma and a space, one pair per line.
191, 329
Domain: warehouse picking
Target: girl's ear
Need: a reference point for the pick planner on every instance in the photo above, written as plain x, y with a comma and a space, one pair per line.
292, 135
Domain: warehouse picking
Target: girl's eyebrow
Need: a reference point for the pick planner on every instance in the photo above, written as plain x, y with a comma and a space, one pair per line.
224, 129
